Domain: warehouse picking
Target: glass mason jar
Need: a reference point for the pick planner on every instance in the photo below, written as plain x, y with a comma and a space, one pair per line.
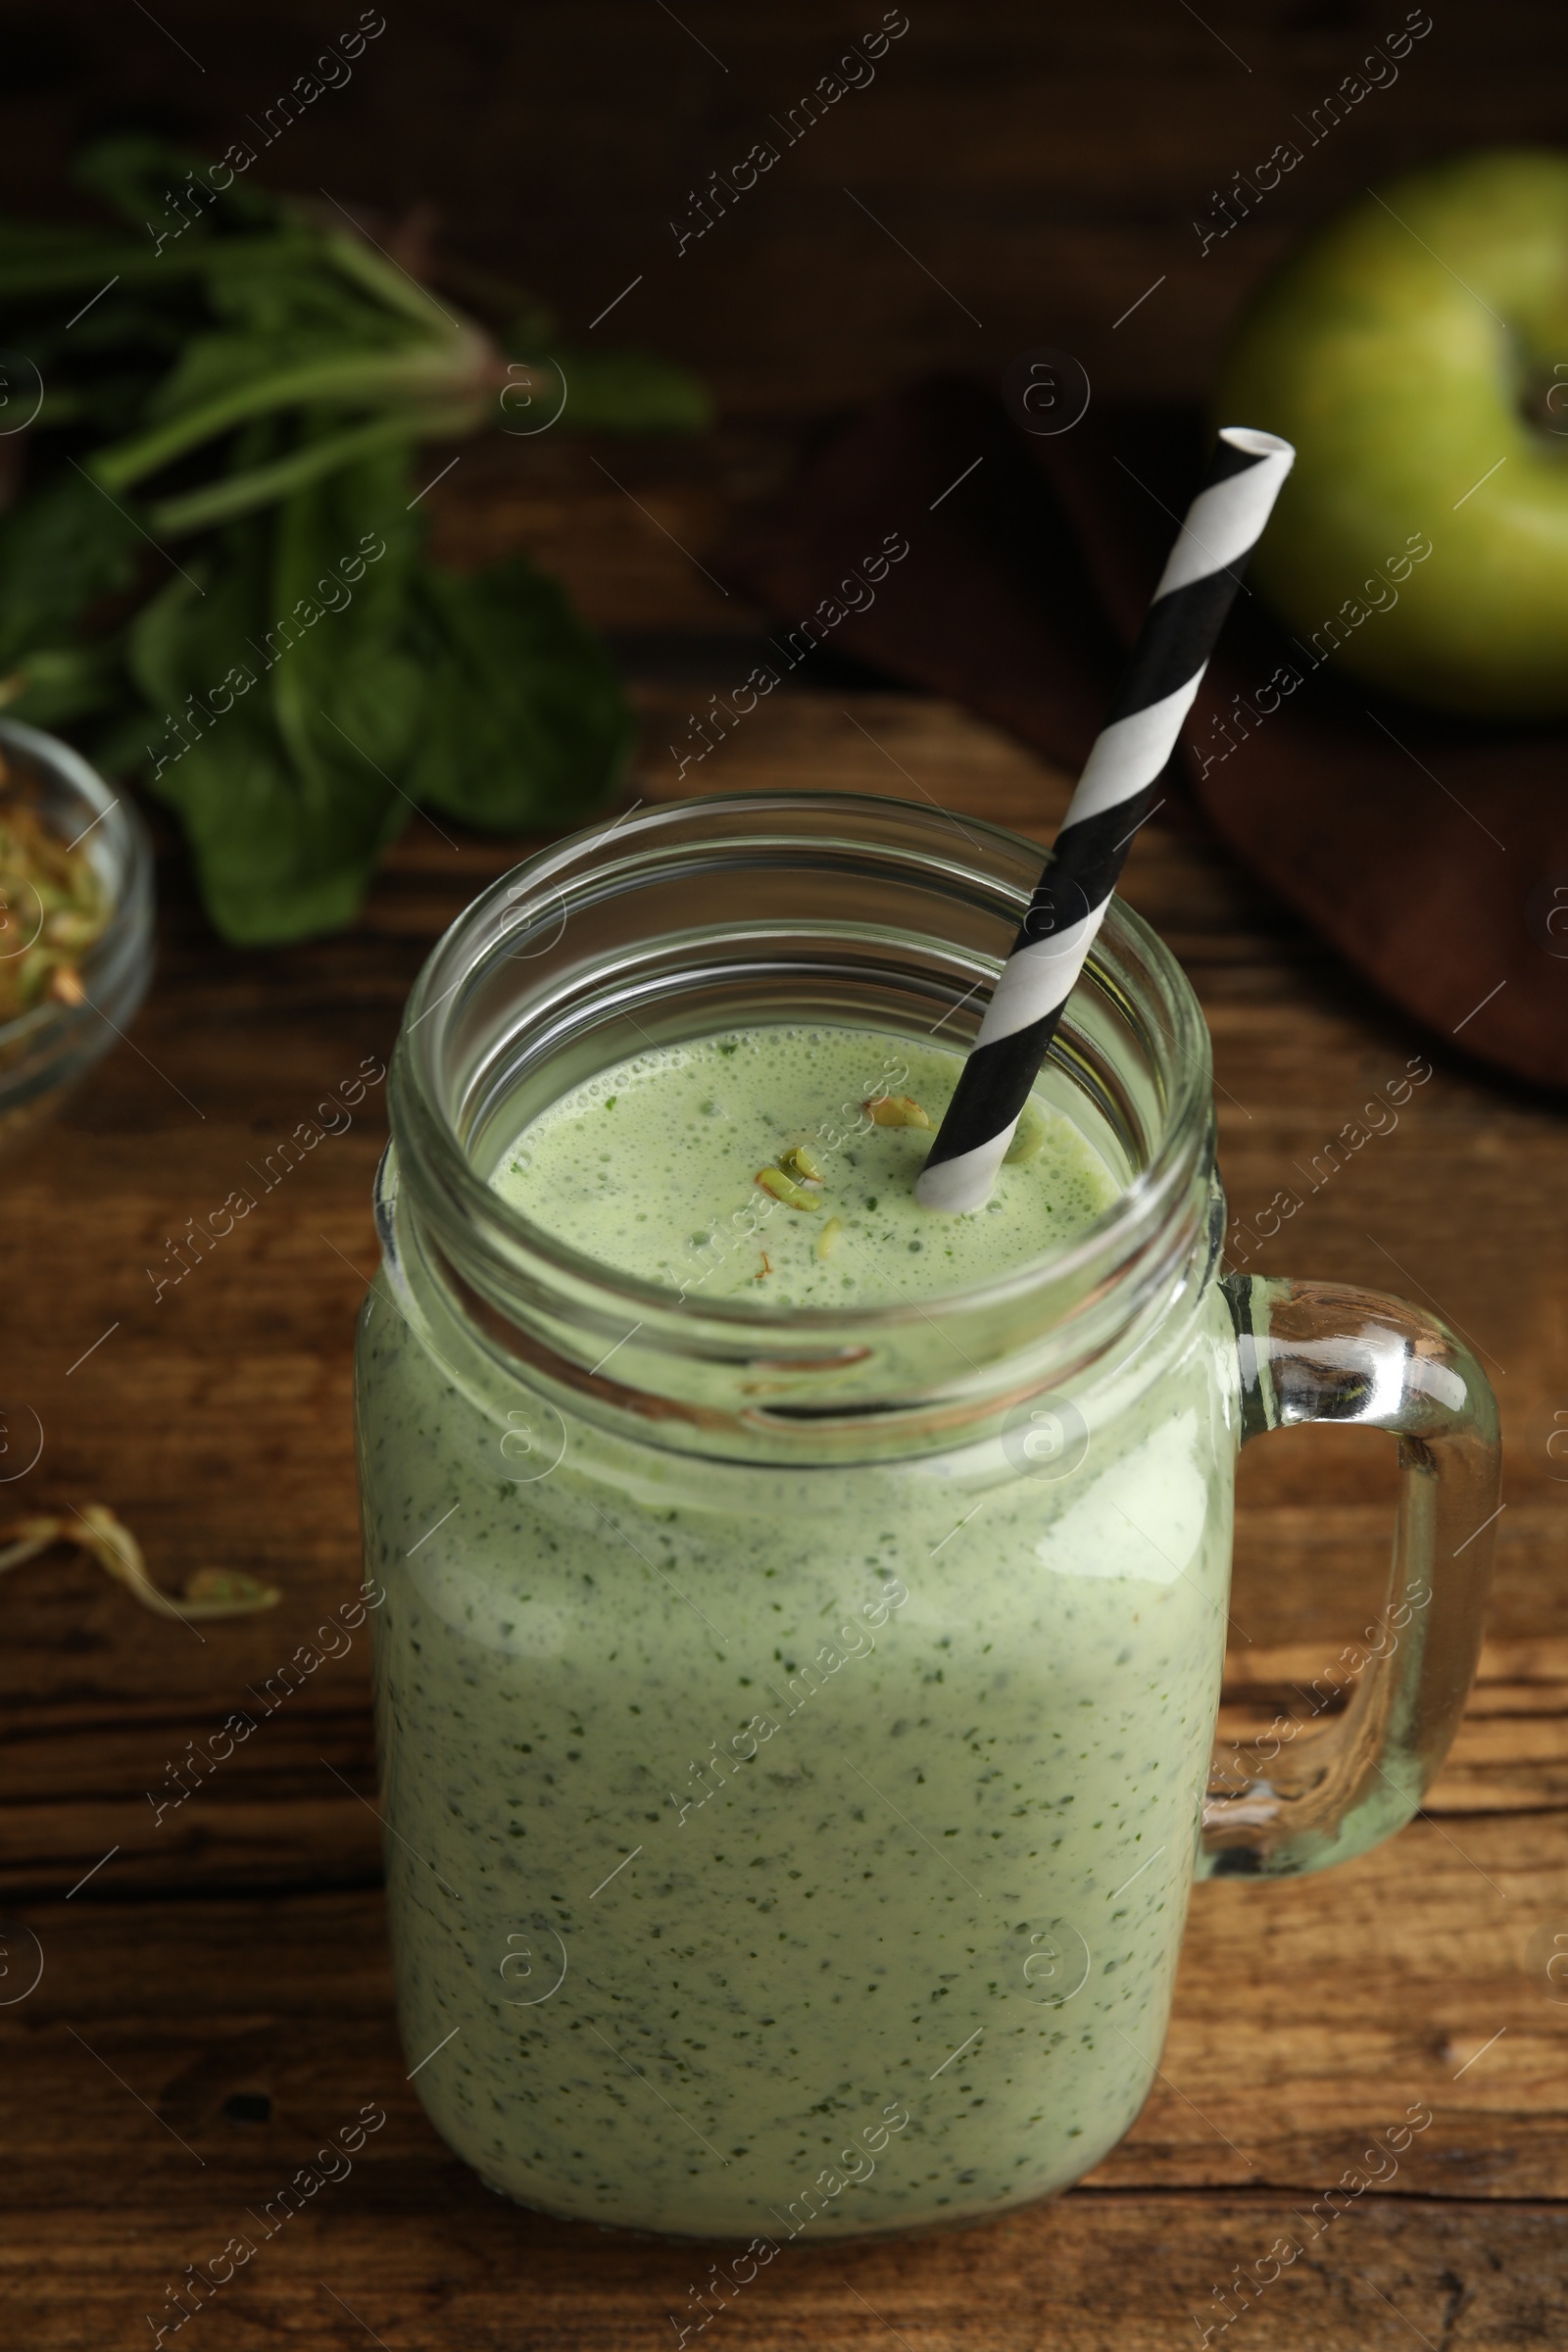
796, 1725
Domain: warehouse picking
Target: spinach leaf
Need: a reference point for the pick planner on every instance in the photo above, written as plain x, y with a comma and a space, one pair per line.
135, 176
62, 685
524, 726
282, 702
62, 548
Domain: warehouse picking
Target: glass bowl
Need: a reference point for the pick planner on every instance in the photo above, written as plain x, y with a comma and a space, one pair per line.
47, 1051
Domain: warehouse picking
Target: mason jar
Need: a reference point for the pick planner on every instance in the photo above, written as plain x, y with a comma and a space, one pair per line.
796, 1725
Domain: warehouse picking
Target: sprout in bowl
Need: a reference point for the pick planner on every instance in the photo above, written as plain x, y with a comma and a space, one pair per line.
76, 924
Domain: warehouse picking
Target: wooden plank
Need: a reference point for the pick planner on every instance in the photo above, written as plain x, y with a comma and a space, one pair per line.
1310, 2016
292, 1808
431, 2263
1309, 2013
427, 2267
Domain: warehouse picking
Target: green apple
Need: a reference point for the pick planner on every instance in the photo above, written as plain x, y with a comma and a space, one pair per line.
1416, 350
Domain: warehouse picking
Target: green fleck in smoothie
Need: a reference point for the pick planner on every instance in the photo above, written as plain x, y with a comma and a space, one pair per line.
790, 1848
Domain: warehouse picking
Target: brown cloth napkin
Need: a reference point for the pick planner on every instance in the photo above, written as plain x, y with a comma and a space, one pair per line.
1433, 853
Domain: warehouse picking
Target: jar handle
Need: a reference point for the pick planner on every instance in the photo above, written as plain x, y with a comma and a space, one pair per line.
1329, 1352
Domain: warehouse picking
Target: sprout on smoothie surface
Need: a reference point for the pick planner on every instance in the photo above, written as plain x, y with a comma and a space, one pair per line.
896, 1111
1028, 1136
827, 1238
784, 1188
800, 1160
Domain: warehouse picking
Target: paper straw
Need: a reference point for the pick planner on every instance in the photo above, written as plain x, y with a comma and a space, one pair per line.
1115, 795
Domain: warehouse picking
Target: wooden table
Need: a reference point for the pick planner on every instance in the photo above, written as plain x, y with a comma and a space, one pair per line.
214, 1996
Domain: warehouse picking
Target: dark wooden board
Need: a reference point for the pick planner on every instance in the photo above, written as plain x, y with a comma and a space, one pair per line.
1310, 2017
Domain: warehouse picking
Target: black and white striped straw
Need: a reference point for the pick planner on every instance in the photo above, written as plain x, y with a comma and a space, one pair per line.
1115, 793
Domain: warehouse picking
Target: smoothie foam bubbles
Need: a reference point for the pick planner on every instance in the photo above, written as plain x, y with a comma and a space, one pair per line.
653, 1166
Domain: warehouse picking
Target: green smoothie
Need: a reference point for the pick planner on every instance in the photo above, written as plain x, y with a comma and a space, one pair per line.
784, 1850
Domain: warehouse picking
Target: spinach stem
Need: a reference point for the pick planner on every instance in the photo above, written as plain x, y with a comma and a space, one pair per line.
378, 276
418, 374
88, 265
240, 493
